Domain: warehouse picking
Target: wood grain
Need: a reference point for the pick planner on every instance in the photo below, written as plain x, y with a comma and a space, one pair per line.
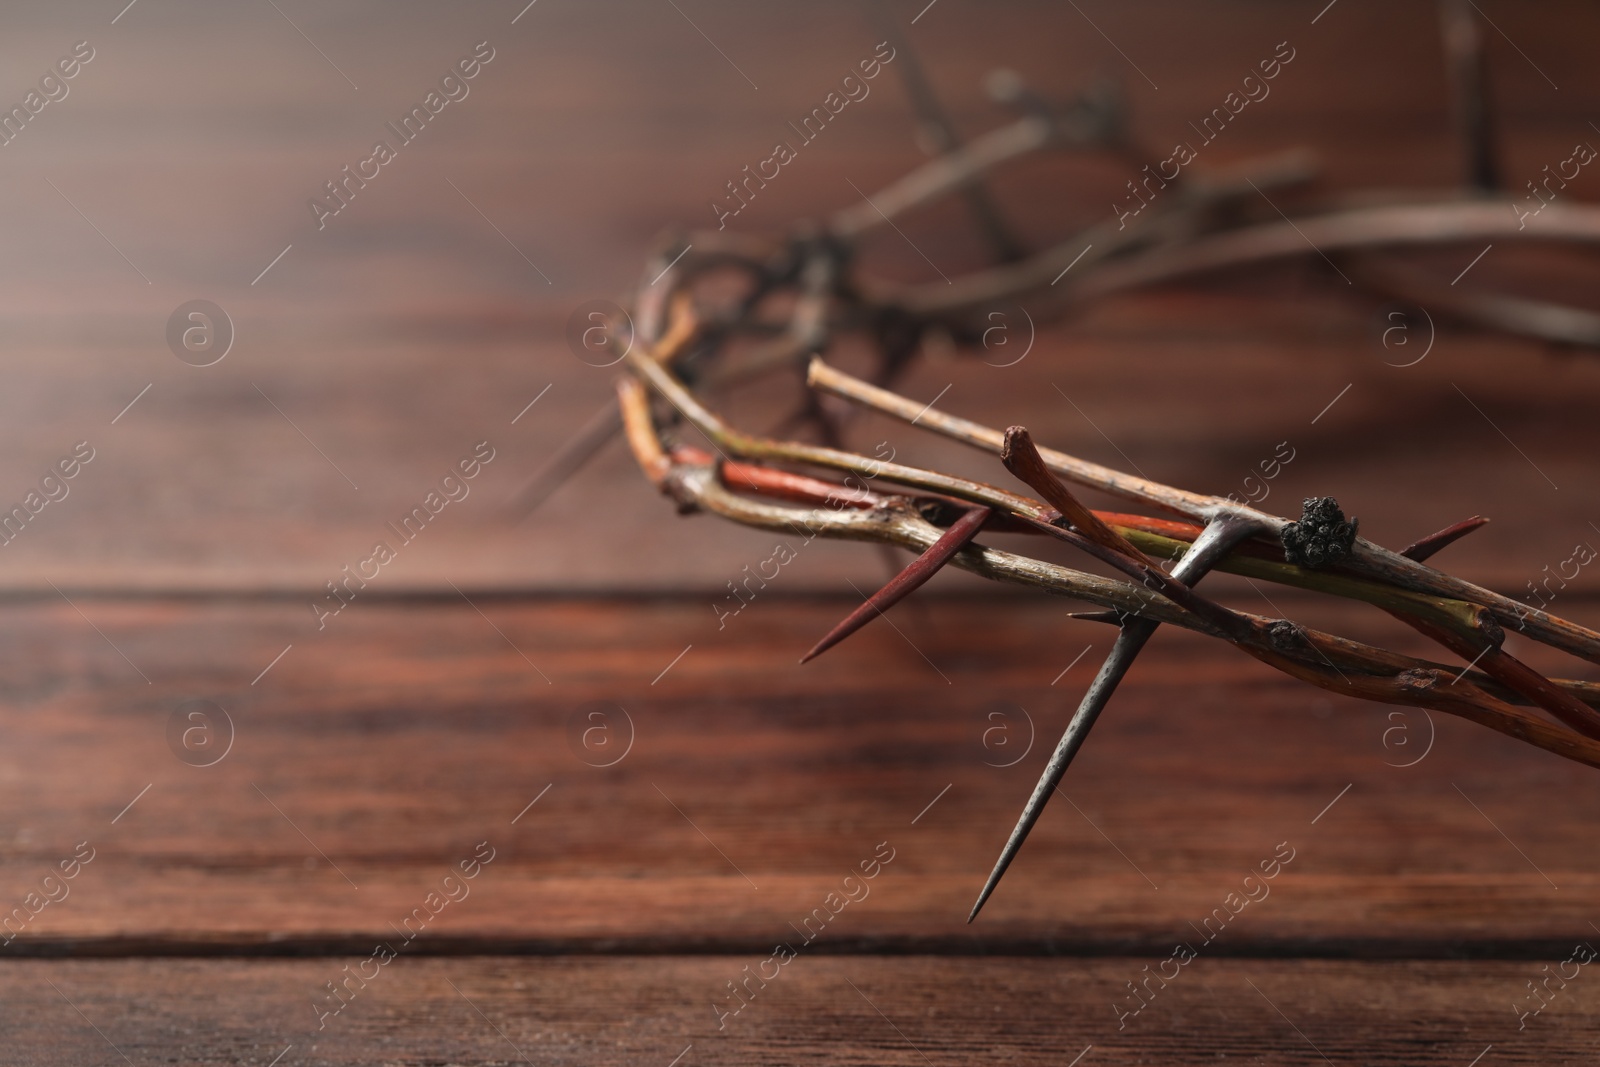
404, 734
818, 1010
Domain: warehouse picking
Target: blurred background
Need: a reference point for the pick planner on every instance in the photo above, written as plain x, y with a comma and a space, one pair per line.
427, 314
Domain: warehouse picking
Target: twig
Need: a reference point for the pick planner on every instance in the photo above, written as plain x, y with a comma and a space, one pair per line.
941, 132
1301, 651
1469, 92
1378, 565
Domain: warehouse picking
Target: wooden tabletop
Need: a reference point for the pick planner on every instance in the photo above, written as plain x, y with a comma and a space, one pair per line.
522, 799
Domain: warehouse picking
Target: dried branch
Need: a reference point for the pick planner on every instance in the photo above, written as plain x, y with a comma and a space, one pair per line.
1382, 569
1331, 662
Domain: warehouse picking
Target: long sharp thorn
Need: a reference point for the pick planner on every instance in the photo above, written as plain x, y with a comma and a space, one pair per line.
1216, 541
569, 458
1112, 617
1123, 650
916, 572
1427, 546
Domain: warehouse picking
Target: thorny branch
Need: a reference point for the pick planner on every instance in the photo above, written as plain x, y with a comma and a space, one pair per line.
797, 295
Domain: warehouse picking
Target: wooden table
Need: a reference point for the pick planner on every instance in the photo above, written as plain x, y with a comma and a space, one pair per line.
649, 805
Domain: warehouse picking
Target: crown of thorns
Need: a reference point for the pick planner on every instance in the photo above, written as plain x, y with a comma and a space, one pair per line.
692, 333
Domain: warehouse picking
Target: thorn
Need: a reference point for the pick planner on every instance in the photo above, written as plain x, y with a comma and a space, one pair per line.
1228, 623
1112, 617
1215, 542
915, 573
1116, 664
569, 458
1022, 459
1427, 546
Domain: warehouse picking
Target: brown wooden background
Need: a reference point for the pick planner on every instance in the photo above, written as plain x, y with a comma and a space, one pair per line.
377, 752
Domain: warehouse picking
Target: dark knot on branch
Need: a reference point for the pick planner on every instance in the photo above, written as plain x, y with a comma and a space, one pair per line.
1322, 537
